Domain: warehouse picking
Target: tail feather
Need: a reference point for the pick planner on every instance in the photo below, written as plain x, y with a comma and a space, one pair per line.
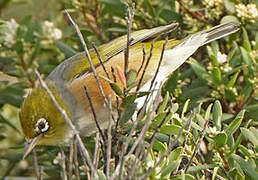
220, 31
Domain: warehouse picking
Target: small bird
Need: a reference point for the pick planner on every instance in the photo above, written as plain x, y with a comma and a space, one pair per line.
43, 124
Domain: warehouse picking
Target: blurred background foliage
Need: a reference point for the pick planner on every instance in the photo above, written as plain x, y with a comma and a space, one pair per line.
36, 34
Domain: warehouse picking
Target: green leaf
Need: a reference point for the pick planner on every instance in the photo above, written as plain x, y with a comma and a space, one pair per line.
232, 81
163, 106
215, 47
6, 121
220, 140
229, 18
250, 134
246, 57
194, 169
170, 129
159, 146
174, 159
175, 154
245, 151
185, 176
68, 51
216, 74
235, 172
248, 169
146, 4
185, 108
12, 94
234, 125
217, 115
231, 53
199, 70
168, 169
101, 175
246, 44
117, 89
159, 118
131, 81
208, 112
200, 120
127, 113
171, 84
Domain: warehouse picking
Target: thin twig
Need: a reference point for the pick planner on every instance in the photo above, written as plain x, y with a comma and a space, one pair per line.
83, 150
109, 143
117, 103
129, 19
94, 113
96, 151
145, 67
88, 56
143, 60
63, 164
160, 61
71, 155
157, 70
100, 60
76, 164
197, 147
37, 168
224, 160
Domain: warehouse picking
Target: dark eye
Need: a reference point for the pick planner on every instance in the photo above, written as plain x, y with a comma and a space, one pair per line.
41, 126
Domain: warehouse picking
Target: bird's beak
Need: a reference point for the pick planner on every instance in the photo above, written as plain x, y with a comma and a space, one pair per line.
29, 145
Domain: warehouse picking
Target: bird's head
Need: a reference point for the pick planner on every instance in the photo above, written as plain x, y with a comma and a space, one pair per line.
41, 121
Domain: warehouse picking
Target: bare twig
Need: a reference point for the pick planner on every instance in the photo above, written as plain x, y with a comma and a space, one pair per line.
109, 143
145, 67
197, 147
143, 59
157, 70
224, 160
96, 151
100, 60
129, 19
88, 56
94, 113
37, 168
71, 155
83, 150
63, 164
76, 164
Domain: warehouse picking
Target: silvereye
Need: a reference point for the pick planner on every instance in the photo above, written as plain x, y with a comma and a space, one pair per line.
42, 123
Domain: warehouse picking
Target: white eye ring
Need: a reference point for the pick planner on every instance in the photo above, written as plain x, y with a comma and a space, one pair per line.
41, 126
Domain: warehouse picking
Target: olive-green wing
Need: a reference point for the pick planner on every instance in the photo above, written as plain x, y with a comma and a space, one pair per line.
78, 64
